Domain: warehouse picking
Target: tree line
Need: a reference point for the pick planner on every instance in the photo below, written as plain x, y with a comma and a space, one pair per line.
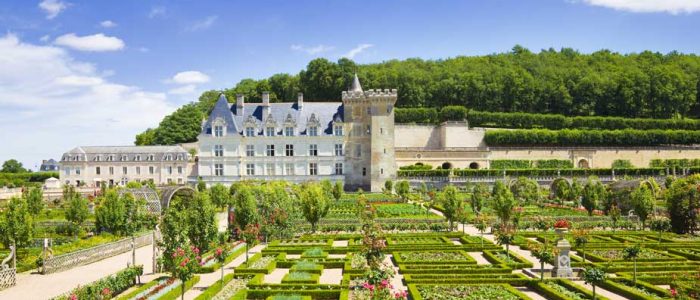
566, 82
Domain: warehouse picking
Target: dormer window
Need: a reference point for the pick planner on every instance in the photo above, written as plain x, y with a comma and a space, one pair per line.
289, 131
249, 131
168, 157
338, 130
98, 158
313, 131
110, 158
218, 130
179, 157
137, 158
150, 157
270, 131
124, 158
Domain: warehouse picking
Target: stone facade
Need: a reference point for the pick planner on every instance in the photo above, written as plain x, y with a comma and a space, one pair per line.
300, 141
92, 166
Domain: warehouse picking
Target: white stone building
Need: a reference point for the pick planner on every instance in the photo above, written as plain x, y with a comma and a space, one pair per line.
118, 165
301, 141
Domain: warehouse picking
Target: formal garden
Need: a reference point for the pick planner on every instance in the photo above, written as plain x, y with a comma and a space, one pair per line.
515, 239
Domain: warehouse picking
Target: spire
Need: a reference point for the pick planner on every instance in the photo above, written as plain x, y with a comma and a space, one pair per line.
356, 87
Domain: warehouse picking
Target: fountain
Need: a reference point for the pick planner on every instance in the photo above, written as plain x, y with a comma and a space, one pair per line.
562, 262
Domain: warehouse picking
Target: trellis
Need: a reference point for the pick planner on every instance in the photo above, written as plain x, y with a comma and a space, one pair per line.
153, 201
8, 276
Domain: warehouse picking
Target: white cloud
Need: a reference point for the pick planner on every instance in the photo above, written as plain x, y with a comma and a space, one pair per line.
202, 24
157, 11
183, 90
144, 49
190, 77
312, 50
45, 38
648, 6
52, 102
52, 8
95, 43
108, 24
357, 50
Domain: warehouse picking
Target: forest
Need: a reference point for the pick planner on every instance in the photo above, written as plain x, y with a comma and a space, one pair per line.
563, 82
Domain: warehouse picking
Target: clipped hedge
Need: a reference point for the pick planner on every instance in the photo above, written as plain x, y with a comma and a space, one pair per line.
416, 115
553, 294
20, 179
576, 137
117, 283
538, 172
415, 294
624, 287
175, 293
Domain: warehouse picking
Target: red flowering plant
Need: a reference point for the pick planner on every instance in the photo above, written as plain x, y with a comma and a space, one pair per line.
250, 235
562, 223
186, 261
220, 254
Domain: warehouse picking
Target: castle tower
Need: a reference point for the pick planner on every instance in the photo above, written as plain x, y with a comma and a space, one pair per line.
369, 119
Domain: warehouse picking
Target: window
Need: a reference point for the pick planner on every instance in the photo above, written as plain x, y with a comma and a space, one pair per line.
313, 169
218, 130
179, 181
270, 131
179, 170
97, 170
218, 150
250, 150
125, 158
168, 157
313, 150
338, 149
313, 131
124, 170
289, 131
369, 129
111, 170
138, 170
150, 157
289, 169
249, 131
179, 157
364, 171
270, 151
110, 158
358, 150
77, 171
289, 150
338, 130
170, 170
270, 169
369, 110
381, 171
98, 158
67, 171
170, 180
218, 169
388, 109
338, 168
137, 158
381, 130
151, 170
250, 169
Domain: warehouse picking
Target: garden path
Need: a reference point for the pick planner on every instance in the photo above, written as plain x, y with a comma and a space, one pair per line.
331, 276
599, 291
206, 280
37, 286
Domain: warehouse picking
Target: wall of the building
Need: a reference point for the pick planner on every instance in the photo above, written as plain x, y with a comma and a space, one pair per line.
446, 135
136, 171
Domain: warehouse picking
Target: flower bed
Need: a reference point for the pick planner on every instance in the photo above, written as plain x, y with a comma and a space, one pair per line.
307, 266
512, 260
300, 277
232, 286
562, 289
601, 255
465, 292
434, 257
162, 288
453, 269
106, 287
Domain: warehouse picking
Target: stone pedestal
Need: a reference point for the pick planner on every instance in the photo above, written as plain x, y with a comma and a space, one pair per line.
562, 263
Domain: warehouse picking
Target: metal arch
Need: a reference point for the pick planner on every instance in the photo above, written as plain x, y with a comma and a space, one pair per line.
152, 200
168, 192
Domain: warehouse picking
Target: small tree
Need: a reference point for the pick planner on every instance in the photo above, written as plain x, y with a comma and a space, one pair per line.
388, 187
220, 195
338, 190
682, 202
580, 240
614, 214
450, 204
16, 224
660, 224
250, 236
481, 225
35, 200
221, 254
503, 202
544, 255
479, 195
201, 185
631, 253
245, 207
575, 192
505, 236
314, 204
186, 263
543, 225
77, 211
402, 189
327, 187
525, 190
643, 203
13, 166
592, 195
561, 189
594, 277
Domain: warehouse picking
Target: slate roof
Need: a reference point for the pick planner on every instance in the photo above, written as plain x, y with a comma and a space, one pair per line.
325, 112
125, 149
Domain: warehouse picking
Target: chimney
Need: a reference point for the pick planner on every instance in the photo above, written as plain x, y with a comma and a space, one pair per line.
300, 100
265, 105
240, 101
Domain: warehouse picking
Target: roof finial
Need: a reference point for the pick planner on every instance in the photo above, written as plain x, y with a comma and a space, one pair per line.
356, 87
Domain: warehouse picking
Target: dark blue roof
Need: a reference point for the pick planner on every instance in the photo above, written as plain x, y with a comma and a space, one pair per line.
325, 112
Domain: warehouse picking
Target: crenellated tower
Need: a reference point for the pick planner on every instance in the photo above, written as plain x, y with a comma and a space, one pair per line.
369, 119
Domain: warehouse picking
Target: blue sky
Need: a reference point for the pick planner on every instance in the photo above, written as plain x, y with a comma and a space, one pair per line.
97, 72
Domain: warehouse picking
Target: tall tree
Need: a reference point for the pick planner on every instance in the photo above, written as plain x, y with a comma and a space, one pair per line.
682, 202
13, 166
525, 190
35, 200
314, 203
245, 207
503, 202
593, 194
16, 224
220, 195
643, 201
450, 203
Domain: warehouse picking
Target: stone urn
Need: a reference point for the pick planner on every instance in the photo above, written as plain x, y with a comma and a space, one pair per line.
562, 263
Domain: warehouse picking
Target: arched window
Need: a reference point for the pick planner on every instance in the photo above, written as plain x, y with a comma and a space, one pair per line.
447, 165
474, 165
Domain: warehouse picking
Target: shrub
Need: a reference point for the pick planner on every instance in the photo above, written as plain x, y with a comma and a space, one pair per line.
576, 137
